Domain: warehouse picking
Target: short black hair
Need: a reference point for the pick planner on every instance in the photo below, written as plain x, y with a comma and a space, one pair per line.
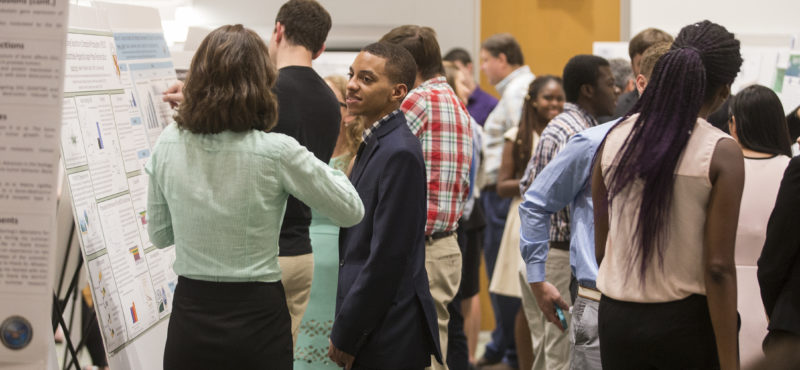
421, 43
400, 65
504, 43
306, 22
760, 123
581, 70
458, 55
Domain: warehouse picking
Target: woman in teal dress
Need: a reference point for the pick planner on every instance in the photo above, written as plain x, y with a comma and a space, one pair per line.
311, 351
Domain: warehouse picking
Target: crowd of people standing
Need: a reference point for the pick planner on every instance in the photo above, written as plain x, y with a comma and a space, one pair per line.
340, 221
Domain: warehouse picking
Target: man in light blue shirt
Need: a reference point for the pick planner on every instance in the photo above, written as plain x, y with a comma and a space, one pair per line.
565, 182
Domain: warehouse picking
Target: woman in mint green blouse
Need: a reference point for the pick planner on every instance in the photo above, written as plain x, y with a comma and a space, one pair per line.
218, 190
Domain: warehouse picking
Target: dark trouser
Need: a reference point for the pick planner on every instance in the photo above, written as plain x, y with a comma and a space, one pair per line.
505, 308
776, 339
228, 326
94, 340
470, 241
670, 335
470, 234
457, 350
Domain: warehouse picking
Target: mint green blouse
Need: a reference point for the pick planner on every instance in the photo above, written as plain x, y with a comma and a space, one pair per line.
220, 199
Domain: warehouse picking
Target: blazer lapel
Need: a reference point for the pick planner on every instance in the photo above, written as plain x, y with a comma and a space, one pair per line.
366, 151
370, 147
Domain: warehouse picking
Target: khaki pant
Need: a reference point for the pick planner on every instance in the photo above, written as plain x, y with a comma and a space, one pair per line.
297, 272
443, 264
551, 347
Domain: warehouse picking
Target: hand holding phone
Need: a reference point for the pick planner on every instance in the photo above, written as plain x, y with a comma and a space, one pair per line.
561, 317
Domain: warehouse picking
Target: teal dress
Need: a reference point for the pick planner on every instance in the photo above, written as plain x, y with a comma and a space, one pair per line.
311, 351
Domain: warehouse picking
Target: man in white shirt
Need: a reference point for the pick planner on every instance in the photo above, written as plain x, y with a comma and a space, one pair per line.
503, 63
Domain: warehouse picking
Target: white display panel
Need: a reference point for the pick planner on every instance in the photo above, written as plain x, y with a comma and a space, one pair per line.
32, 37
113, 115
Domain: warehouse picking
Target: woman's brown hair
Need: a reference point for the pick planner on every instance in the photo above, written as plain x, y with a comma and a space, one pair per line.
354, 130
229, 85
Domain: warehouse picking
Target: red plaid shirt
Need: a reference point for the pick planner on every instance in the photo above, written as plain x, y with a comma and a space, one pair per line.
441, 122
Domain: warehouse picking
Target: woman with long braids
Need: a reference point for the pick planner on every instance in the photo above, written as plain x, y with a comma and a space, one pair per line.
666, 189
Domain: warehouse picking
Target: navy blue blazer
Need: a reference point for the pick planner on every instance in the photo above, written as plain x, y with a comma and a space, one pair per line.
385, 315
779, 264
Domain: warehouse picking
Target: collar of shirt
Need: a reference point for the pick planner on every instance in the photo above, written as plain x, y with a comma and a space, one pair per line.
476, 95
432, 82
501, 86
575, 109
370, 130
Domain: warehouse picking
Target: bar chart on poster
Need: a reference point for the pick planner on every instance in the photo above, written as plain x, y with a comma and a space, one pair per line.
32, 35
117, 67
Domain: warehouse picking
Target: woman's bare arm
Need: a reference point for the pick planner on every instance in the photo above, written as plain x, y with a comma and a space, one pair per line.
727, 179
507, 185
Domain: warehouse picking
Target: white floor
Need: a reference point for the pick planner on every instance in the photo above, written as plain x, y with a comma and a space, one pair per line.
84, 359
83, 355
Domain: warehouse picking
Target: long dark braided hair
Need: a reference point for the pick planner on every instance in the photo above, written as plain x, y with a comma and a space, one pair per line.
703, 58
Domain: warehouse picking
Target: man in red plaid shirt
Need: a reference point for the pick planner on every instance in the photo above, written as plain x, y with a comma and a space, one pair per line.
441, 122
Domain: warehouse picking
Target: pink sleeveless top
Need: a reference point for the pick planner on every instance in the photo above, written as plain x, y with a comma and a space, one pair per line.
682, 273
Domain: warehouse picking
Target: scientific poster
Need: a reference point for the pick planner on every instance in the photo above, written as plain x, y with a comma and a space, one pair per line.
790, 92
113, 115
32, 38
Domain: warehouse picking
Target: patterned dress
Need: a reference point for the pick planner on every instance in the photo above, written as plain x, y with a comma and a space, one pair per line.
311, 351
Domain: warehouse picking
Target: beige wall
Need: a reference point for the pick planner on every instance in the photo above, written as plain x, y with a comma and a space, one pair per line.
551, 31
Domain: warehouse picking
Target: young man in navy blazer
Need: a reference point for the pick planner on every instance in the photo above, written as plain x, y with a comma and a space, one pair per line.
385, 317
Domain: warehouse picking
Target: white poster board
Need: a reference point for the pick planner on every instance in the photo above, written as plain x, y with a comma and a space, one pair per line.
611, 49
118, 65
334, 63
32, 38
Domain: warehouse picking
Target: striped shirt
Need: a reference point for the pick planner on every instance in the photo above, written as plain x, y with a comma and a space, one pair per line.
553, 138
441, 122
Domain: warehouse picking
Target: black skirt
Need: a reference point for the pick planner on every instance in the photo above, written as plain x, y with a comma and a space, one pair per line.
668, 335
228, 326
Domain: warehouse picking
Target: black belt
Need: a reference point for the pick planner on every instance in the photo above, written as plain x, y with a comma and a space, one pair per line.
438, 235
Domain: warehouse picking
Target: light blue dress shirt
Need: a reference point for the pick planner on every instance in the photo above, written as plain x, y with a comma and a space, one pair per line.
564, 181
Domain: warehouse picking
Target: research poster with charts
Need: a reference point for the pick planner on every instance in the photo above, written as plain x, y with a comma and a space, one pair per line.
790, 82
32, 35
117, 67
